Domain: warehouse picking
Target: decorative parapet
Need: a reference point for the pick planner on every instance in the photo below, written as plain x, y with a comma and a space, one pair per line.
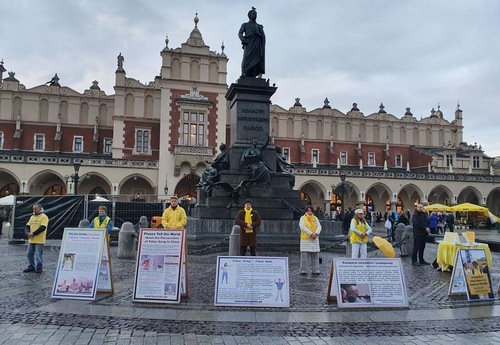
193, 150
68, 160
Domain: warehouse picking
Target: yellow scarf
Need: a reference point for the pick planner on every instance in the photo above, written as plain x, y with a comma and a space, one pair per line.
248, 219
310, 223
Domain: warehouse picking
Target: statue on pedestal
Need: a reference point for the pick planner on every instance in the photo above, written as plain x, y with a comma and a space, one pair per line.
211, 174
253, 41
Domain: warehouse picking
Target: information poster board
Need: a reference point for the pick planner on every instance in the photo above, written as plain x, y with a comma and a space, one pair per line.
184, 272
158, 266
253, 281
79, 263
332, 286
105, 281
477, 274
457, 281
365, 283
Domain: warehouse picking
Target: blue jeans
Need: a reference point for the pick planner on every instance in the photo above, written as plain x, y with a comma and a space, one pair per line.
35, 253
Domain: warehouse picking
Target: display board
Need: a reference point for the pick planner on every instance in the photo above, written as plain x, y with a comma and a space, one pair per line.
158, 266
471, 267
105, 280
79, 263
254, 281
365, 283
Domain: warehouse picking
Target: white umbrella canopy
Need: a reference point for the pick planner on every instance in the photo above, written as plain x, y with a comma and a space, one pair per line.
100, 199
7, 200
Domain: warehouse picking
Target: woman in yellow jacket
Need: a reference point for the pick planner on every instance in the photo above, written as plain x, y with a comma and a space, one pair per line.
359, 235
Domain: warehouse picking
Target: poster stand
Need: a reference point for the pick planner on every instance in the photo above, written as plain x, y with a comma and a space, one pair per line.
79, 264
332, 287
368, 283
105, 282
159, 265
471, 268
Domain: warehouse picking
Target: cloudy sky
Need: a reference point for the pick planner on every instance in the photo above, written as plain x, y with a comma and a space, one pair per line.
403, 53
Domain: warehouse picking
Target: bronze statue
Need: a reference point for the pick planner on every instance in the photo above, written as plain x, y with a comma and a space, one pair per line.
282, 166
253, 160
253, 41
211, 174
120, 60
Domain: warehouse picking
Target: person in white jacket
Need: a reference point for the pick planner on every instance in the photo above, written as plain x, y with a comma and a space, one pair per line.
310, 229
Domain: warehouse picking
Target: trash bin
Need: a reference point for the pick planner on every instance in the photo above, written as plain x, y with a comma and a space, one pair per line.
407, 241
126, 241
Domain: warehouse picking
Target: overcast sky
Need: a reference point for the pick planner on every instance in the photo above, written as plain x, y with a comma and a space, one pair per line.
404, 53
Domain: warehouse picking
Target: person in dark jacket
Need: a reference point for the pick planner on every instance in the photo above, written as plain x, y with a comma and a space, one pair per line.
248, 219
420, 231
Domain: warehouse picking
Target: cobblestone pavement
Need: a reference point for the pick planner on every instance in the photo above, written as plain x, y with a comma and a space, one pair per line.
29, 316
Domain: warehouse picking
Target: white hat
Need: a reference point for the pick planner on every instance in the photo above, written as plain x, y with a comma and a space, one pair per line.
359, 210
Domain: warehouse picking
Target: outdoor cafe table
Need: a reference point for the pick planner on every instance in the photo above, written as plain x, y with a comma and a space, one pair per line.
448, 250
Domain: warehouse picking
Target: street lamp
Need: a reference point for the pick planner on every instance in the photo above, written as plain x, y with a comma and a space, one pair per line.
75, 176
342, 191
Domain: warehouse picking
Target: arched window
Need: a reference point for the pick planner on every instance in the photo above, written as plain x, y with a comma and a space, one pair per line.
275, 127
84, 114
176, 68
305, 128
63, 110
289, 128
194, 70
17, 108
103, 115
213, 72
43, 114
428, 137
416, 138
148, 106
319, 129
348, 131
129, 104
402, 135
376, 134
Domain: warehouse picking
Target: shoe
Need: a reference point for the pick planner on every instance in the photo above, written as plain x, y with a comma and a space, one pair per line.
39, 270
29, 269
425, 263
303, 273
316, 273
415, 264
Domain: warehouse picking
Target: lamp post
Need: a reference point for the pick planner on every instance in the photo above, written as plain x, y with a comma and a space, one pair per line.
75, 177
165, 189
342, 191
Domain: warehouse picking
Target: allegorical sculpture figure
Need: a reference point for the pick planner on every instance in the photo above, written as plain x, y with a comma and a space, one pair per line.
253, 160
211, 174
282, 166
253, 41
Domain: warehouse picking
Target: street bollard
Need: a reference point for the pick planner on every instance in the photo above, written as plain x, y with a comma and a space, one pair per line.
400, 228
348, 249
84, 223
407, 244
126, 241
234, 241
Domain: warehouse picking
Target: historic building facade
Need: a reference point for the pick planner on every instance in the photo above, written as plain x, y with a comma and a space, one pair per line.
150, 140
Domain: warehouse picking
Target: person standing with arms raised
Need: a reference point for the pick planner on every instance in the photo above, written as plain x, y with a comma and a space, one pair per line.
248, 219
174, 217
36, 231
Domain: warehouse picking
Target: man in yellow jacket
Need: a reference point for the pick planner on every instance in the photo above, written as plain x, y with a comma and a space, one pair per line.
174, 217
36, 231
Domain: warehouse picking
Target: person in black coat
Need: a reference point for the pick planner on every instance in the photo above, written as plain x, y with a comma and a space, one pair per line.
420, 231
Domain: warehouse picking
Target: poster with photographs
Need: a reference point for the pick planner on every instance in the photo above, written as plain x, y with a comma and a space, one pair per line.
79, 263
253, 281
159, 265
365, 283
477, 274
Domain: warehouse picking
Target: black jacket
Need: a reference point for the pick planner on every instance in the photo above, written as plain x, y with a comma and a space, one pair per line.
420, 222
